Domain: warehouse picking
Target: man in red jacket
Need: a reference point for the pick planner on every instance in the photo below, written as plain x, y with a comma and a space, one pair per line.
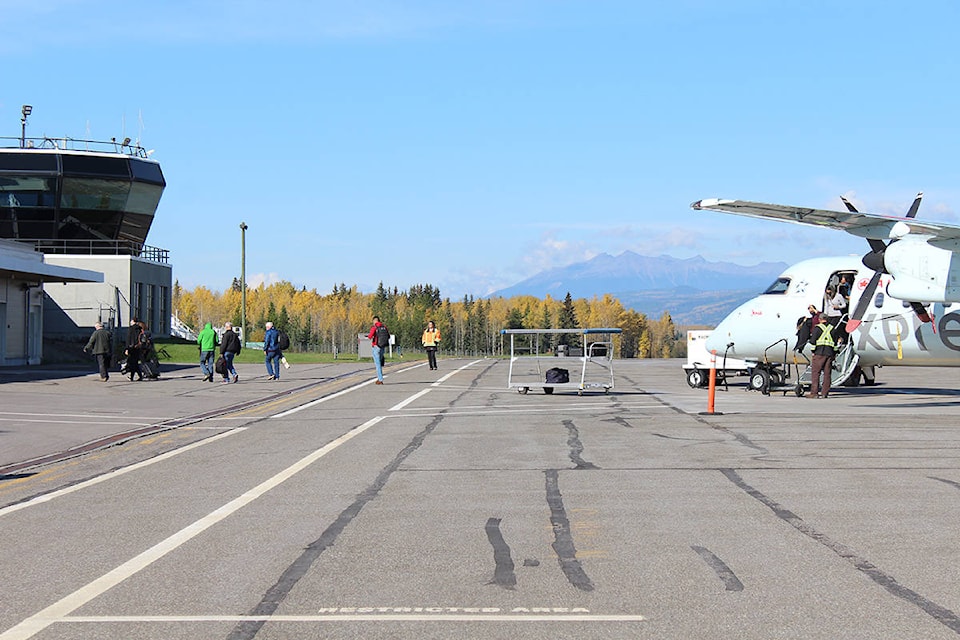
379, 339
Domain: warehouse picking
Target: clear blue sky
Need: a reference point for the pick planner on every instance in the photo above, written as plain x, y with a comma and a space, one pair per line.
472, 144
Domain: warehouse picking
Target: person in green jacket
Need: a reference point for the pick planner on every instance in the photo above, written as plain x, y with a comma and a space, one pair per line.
207, 339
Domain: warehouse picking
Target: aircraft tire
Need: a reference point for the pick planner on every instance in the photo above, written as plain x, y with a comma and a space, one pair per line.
760, 379
696, 379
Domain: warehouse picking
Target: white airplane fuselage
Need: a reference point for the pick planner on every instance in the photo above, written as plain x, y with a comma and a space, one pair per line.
891, 333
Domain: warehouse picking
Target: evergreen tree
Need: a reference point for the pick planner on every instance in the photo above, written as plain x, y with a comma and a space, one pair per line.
546, 322
568, 320
514, 319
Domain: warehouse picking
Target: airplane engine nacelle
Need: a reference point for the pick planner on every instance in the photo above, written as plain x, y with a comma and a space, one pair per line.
914, 290
921, 272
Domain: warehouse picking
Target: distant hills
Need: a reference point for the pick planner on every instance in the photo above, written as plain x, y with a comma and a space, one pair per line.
693, 290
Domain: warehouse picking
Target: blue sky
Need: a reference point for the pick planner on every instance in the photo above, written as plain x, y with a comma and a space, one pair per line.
470, 145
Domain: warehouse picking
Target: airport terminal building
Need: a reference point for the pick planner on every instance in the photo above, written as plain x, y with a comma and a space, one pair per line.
74, 219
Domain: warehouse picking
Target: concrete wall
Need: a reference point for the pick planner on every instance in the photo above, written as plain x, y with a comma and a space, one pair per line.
145, 291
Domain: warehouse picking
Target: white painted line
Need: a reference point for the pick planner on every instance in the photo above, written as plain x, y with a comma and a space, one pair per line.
453, 373
440, 381
57, 611
314, 403
401, 405
113, 474
372, 617
551, 406
452, 413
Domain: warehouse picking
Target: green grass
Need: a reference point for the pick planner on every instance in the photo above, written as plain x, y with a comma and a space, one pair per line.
188, 353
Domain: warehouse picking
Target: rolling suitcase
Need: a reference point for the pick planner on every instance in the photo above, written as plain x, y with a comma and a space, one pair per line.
150, 368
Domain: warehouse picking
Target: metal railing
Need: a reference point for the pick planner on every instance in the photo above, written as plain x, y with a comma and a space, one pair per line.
76, 144
100, 248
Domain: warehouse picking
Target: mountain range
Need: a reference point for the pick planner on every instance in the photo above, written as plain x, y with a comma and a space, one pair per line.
693, 290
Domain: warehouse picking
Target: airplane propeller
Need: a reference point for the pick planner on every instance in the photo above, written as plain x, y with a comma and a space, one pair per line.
874, 261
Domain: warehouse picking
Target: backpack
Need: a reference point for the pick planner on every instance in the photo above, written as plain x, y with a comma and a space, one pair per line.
382, 336
283, 340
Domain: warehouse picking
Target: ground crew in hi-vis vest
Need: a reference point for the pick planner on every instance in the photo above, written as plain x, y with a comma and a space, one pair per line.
824, 349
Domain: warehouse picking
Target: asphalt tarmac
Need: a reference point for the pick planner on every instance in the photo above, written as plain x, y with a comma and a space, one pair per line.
445, 505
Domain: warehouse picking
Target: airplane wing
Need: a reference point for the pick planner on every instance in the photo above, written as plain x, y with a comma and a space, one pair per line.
863, 225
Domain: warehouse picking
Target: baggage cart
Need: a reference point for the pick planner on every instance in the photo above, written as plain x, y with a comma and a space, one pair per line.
532, 353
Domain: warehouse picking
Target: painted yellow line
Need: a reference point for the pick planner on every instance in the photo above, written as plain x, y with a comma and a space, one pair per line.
47, 497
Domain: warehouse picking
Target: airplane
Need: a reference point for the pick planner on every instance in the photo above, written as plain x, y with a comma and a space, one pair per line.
903, 307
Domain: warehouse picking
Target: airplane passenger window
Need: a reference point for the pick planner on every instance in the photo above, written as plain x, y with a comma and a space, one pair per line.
878, 301
779, 286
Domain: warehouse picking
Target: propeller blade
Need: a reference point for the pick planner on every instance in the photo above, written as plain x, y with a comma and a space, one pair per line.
876, 246
915, 206
849, 205
921, 312
863, 303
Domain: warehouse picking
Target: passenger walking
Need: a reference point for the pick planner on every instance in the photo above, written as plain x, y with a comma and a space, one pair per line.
133, 351
824, 339
229, 348
271, 352
207, 339
431, 340
379, 339
100, 344
149, 363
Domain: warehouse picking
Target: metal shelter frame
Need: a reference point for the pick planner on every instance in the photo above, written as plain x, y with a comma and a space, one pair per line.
595, 358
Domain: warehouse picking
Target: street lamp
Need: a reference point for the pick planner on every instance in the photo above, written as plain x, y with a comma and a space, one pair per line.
243, 281
25, 111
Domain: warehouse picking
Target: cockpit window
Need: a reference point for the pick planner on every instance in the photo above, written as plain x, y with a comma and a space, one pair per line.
780, 285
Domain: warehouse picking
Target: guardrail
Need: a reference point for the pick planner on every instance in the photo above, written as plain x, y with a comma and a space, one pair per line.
101, 248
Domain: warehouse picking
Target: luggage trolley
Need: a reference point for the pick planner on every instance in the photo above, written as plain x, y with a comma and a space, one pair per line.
528, 356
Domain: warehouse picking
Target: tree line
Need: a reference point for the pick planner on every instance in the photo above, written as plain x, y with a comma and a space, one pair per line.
471, 326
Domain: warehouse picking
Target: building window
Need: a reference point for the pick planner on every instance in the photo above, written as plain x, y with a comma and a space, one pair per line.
163, 303
151, 320
138, 300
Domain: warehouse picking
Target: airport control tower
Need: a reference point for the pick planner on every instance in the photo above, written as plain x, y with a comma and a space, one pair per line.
88, 205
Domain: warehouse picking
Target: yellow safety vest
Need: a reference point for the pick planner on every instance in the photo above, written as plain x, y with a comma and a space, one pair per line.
431, 338
826, 336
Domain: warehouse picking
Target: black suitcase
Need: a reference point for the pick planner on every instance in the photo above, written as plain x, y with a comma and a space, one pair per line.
150, 368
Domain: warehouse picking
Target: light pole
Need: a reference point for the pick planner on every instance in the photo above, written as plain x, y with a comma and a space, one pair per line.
243, 282
24, 111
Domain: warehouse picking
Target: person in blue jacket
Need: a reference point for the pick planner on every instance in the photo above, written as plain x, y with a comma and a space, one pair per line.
271, 352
